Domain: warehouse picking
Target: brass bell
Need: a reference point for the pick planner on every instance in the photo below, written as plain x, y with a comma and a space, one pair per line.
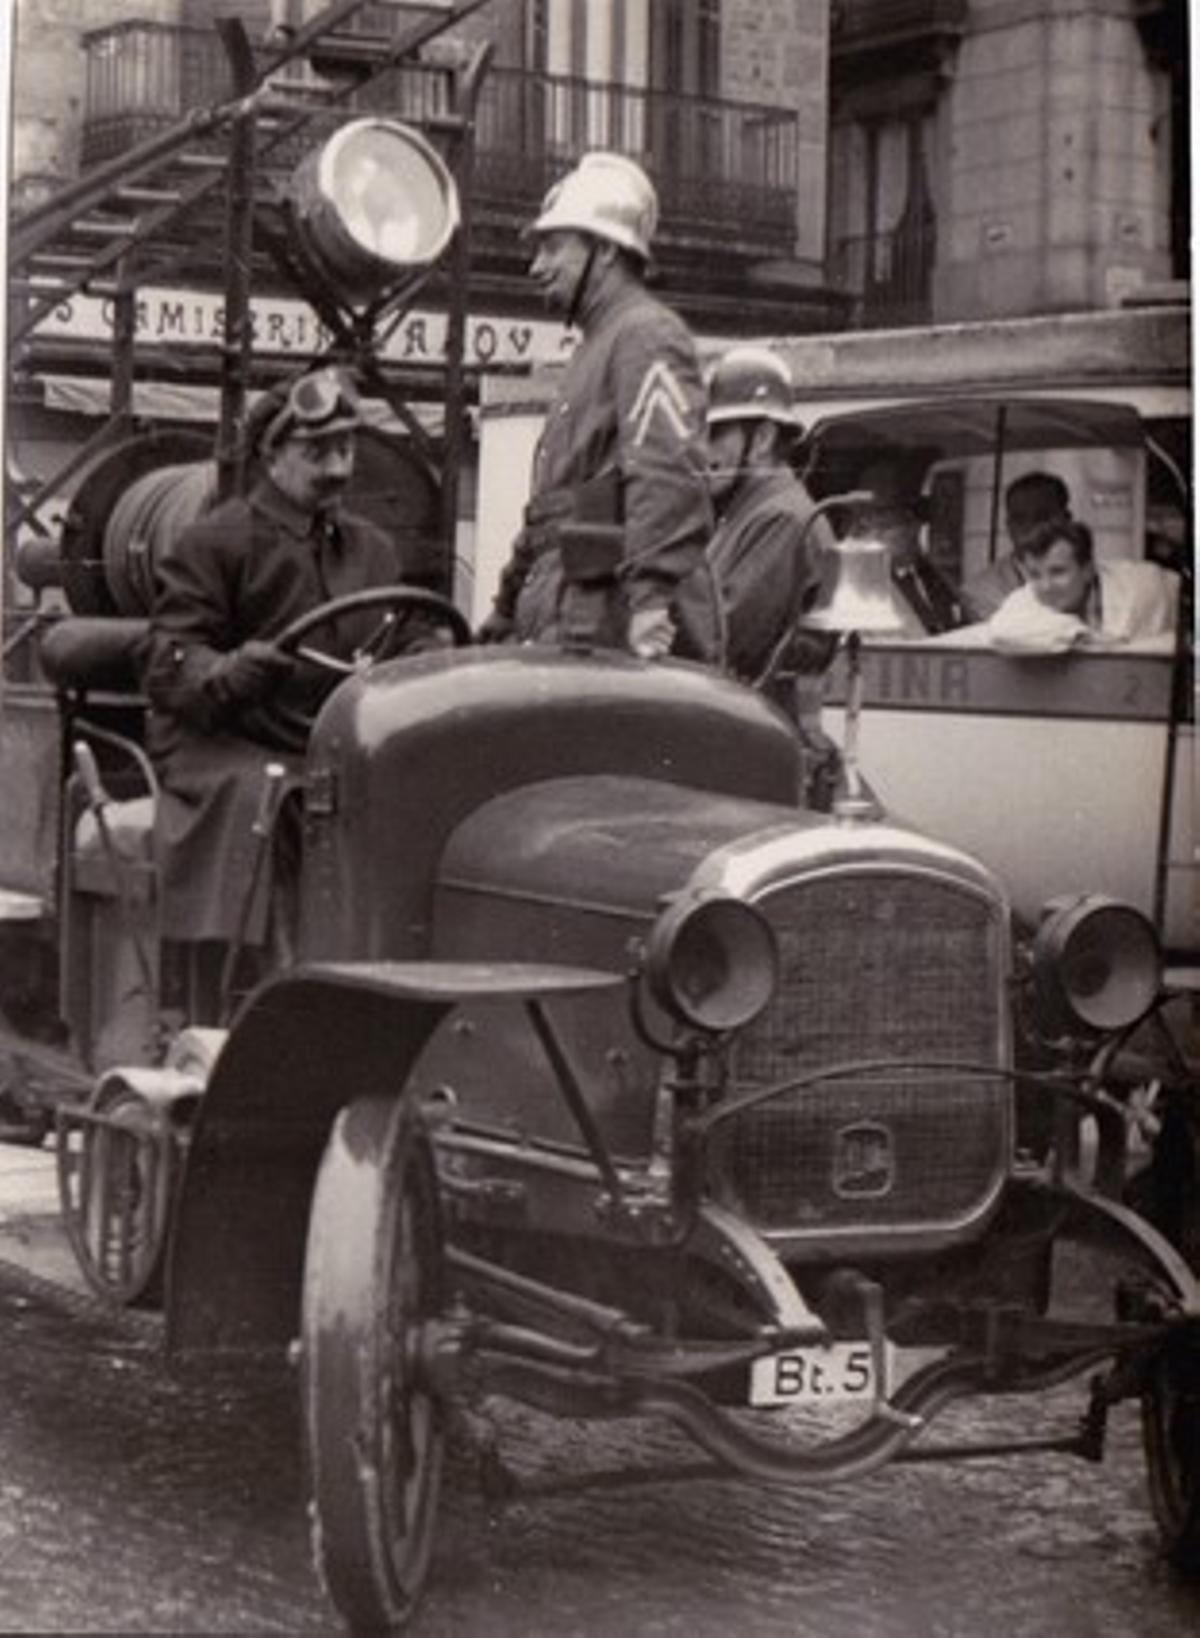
856, 591
855, 596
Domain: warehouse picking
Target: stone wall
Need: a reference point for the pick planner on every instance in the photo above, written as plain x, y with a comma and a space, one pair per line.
48, 84
1056, 192
777, 52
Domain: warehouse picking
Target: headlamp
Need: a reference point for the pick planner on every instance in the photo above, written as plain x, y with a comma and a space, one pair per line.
374, 203
1097, 965
712, 961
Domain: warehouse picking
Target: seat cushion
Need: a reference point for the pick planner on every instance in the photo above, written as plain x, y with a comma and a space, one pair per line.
94, 652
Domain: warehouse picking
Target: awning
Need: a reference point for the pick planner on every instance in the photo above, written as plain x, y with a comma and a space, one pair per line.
172, 401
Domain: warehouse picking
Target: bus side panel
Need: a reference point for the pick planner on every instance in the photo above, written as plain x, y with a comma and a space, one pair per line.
1052, 769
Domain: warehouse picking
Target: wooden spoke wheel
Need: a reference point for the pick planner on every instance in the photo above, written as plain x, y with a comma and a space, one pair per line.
118, 1162
374, 1430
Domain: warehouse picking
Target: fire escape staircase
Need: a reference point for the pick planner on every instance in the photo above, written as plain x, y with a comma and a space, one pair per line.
127, 219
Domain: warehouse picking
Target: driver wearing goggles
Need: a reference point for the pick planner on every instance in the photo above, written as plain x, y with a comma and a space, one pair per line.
224, 700
320, 405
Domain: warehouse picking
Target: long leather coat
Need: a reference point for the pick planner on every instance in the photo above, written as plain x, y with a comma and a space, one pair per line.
244, 570
623, 443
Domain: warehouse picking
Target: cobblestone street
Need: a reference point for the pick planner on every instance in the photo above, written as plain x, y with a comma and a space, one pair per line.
132, 1501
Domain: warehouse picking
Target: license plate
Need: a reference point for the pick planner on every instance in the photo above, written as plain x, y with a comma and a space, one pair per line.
816, 1376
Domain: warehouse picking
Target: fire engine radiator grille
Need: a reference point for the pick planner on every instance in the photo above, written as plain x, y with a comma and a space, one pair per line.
874, 964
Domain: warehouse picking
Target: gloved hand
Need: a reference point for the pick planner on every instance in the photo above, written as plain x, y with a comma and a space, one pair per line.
651, 631
253, 671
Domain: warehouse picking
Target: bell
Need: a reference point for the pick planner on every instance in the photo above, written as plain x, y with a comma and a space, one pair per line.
856, 591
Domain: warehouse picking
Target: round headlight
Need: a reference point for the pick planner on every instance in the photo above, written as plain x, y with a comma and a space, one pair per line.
376, 200
1097, 964
712, 962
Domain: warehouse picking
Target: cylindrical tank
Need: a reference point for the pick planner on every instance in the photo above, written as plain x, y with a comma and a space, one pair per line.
150, 513
134, 498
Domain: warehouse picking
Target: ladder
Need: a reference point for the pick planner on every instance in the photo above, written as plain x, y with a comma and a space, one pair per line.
134, 215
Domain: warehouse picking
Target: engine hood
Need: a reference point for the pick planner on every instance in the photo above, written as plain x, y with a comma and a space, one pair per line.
581, 863
425, 751
606, 847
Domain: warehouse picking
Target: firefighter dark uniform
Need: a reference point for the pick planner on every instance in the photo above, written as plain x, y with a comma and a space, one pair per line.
767, 549
623, 445
766, 562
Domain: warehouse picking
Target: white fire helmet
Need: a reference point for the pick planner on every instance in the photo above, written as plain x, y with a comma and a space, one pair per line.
751, 383
608, 195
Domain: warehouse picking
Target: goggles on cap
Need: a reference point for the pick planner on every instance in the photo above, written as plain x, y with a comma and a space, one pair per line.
317, 405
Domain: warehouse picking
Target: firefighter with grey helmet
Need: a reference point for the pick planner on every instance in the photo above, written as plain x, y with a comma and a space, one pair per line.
623, 442
765, 552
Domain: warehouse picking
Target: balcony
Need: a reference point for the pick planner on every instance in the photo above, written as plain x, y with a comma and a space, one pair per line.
888, 276
727, 172
887, 39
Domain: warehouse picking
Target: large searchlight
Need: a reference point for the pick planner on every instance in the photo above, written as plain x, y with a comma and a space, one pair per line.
374, 203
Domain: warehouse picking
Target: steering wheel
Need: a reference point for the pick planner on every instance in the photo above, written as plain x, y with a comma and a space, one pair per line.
402, 603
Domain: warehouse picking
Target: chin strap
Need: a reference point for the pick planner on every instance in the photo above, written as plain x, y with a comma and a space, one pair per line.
742, 467
581, 283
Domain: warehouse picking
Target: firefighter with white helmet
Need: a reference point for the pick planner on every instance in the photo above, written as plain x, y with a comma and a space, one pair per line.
765, 553
623, 443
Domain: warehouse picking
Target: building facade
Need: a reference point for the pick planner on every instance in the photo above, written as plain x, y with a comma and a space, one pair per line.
1000, 158
822, 166
822, 163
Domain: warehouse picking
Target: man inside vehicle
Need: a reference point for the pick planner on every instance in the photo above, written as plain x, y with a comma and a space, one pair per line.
622, 449
224, 700
1068, 597
1029, 501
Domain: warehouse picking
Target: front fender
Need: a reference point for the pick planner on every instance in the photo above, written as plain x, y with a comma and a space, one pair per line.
306, 1044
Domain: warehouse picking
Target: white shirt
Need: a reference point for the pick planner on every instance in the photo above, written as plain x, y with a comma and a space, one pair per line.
1137, 600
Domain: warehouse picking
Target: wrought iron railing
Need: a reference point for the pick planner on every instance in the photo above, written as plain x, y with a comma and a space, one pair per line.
723, 169
888, 275
726, 171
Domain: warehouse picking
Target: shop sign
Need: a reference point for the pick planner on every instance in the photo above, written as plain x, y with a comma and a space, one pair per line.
283, 325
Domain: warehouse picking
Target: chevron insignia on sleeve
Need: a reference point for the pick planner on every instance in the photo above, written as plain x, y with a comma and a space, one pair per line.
661, 393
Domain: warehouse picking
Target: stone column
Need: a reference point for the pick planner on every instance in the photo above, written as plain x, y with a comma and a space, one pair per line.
1057, 184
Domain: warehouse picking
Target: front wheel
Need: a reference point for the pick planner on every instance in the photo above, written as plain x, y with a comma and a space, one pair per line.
374, 1431
1171, 1430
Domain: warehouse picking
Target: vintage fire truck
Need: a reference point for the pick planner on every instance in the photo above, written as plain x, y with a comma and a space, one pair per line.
614, 1080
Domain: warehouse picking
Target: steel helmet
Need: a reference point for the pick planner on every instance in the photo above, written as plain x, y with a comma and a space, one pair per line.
751, 384
608, 195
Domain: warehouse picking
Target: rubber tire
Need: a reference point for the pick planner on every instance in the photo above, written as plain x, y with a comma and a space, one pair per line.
1171, 1401
1171, 1436
375, 1438
117, 1163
